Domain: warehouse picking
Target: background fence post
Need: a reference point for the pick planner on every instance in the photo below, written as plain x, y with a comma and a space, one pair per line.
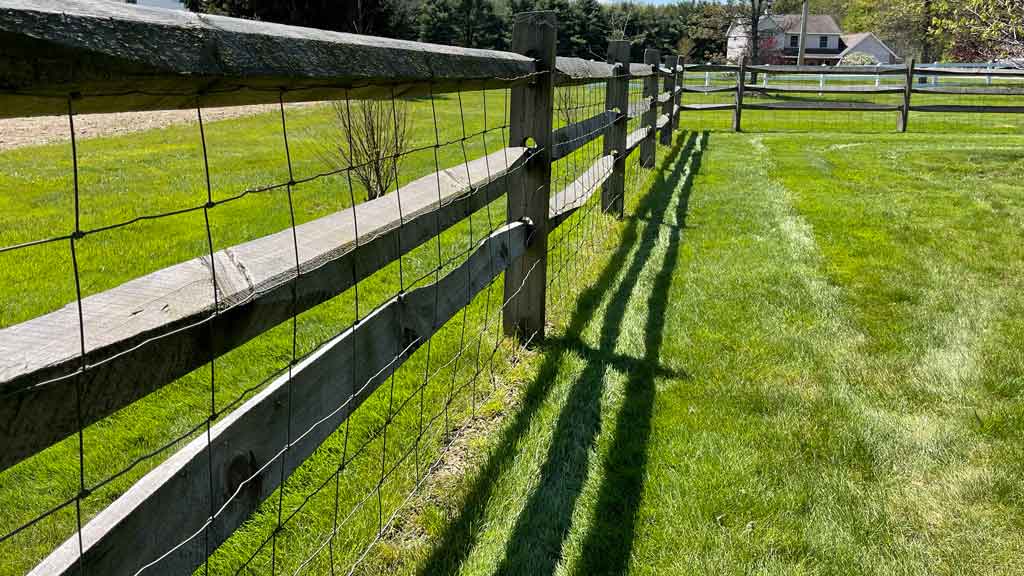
741, 78
907, 91
530, 116
650, 119
680, 69
617, 98
669, 61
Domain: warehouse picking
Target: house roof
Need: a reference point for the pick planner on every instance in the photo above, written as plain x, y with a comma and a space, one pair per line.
852, 41
790, 23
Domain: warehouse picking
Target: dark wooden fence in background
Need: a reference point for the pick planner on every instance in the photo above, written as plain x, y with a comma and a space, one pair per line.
800, 81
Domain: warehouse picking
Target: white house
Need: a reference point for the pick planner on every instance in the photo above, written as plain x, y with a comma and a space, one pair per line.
779, 41
870, 44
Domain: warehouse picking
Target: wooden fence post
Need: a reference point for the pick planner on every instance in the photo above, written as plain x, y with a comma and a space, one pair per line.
617, 98
741, 78
530, 116
904, 118
648, 146
680, 82
669, 61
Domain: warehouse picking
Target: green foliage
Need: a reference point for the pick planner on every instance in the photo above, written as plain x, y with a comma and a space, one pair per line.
859, 59
904, 25
982, 29
379, 17
438, 22
584, 26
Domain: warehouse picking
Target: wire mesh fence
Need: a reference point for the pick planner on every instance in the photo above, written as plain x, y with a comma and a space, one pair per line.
856, 101
311, 315
243, 346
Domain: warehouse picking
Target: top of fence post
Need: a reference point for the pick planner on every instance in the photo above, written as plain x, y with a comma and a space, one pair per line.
534, 34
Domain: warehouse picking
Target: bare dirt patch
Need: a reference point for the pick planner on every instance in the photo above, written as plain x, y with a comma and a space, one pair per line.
19, 132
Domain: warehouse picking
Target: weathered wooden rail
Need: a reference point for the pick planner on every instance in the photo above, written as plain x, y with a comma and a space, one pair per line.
74, 56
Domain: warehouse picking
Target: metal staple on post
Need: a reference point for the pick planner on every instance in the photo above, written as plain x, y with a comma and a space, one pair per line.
617, 99
530, 116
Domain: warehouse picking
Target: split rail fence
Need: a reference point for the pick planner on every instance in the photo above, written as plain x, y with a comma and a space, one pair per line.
797, 86
68, 369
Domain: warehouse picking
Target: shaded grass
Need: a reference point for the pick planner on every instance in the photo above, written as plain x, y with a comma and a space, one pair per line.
813, 367
162, 170
807, 363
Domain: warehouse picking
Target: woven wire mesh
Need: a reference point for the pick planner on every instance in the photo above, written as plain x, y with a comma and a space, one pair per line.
363, 472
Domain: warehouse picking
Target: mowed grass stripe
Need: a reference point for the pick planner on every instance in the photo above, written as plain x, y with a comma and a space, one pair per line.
837, 389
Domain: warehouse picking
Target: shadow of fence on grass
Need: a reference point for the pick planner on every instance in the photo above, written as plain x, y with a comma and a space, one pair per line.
535, 545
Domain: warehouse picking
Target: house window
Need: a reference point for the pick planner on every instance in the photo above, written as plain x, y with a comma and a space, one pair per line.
794, 41
823, 42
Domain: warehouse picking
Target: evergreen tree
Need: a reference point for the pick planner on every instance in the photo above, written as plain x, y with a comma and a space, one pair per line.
481, 27
438, 22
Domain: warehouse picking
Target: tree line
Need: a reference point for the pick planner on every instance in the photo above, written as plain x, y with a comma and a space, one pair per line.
964, 30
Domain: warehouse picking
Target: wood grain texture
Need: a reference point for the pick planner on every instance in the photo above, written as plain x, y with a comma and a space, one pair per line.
152, 330
826, 90
530, 117
967, 108
709, 89
680, 81
741, 79
635, 138
667, 98
824, 105
615, 141
249, 446
641, 70
903, 119
648, 149
971, 90
575, 195
117, 57
640, 107
706, 107
568, 139
576, 70
710, 68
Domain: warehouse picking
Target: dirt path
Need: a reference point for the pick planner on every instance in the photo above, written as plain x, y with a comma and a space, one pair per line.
18, 132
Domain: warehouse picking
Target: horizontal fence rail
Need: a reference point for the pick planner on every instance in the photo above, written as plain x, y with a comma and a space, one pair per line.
749, 82
155, 329
115, 57
572, 125
65, 370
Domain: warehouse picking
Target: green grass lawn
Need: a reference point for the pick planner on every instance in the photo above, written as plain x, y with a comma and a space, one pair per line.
799, 353
807, 359
160, 171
